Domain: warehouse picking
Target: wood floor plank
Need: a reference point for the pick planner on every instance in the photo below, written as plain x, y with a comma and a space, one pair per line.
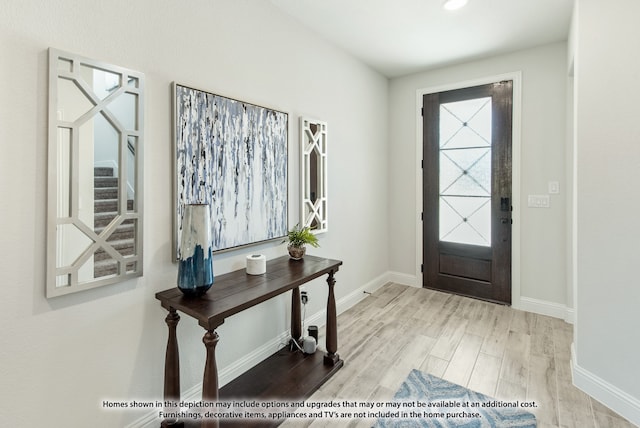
464, 359
522, 322
350, 371
606, 417
515, 362
353, 340
364, 382
543, 389
387, 294
574, 408
563, 370
450, 337
435, 315
412, 355
496, 338
542, 342
607, 421
562, 339
480, 317
508, 391
434, 365
484, 378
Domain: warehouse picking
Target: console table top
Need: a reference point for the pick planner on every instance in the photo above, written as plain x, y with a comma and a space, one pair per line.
236, 291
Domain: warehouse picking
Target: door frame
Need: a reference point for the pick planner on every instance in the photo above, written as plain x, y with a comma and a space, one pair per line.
516, 77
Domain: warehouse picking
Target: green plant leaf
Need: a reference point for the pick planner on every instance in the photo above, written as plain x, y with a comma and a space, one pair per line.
299, 237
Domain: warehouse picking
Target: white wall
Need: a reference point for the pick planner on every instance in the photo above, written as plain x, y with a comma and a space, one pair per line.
542, 247
607, 82
59, 358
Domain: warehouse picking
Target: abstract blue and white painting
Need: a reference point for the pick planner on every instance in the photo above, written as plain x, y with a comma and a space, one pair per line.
231, 155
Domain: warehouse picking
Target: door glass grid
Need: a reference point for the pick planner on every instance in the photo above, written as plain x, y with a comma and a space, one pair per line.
465, 172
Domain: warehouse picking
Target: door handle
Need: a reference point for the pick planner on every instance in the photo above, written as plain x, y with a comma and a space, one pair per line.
505, 220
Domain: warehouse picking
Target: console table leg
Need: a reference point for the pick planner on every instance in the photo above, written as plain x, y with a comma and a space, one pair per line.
296, 318
172, 372
331, 358
210, 383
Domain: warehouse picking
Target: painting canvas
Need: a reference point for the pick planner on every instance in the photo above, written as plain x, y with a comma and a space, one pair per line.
231, 155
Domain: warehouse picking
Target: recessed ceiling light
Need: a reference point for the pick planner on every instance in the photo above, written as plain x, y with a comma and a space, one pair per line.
454, 4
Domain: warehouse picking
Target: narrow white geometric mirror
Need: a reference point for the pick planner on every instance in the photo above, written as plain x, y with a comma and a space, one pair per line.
313, 174
94, 225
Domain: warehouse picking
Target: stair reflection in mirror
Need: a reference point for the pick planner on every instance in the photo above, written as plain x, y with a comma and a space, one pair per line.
122, 239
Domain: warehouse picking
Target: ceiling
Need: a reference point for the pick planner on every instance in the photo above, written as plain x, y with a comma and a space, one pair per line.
400, 37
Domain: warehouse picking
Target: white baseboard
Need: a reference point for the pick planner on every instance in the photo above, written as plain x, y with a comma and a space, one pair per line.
232, 371
528, 304
571, 316
543, 307
403, 278
354, 297
609, 395
150, 420
348, 301
147, 421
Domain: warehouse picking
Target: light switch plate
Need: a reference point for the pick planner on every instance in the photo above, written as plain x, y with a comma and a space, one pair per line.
538, 201
554, 187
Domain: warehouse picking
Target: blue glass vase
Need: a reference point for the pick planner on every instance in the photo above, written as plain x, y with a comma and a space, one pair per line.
195, 268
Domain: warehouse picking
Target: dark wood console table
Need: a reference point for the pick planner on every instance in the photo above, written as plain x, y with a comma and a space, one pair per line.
298, 375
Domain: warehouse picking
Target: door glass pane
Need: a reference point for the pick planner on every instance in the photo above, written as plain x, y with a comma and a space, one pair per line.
465, 172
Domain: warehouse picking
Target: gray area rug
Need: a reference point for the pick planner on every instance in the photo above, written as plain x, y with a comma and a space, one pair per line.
428, 401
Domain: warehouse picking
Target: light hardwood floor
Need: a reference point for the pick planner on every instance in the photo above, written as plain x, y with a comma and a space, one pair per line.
493, 349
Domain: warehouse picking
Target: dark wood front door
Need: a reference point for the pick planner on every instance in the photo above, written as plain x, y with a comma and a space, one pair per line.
467, 191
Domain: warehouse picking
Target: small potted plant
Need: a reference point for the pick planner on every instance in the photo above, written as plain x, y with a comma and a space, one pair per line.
298, 237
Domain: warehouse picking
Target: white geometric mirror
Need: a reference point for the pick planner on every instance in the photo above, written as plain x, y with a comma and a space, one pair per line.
94, 226
313, 174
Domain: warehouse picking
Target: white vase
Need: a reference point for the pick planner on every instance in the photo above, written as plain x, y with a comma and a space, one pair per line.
195, 268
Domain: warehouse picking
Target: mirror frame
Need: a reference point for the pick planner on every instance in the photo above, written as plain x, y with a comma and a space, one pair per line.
313, 212
128, 266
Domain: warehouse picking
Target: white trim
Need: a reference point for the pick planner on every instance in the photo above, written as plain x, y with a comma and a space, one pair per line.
516, 77
150, 420
147, 421
356, 296
241, 365
404, 279
320, 207
611, 396
350, 300
543, 307
570, 316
